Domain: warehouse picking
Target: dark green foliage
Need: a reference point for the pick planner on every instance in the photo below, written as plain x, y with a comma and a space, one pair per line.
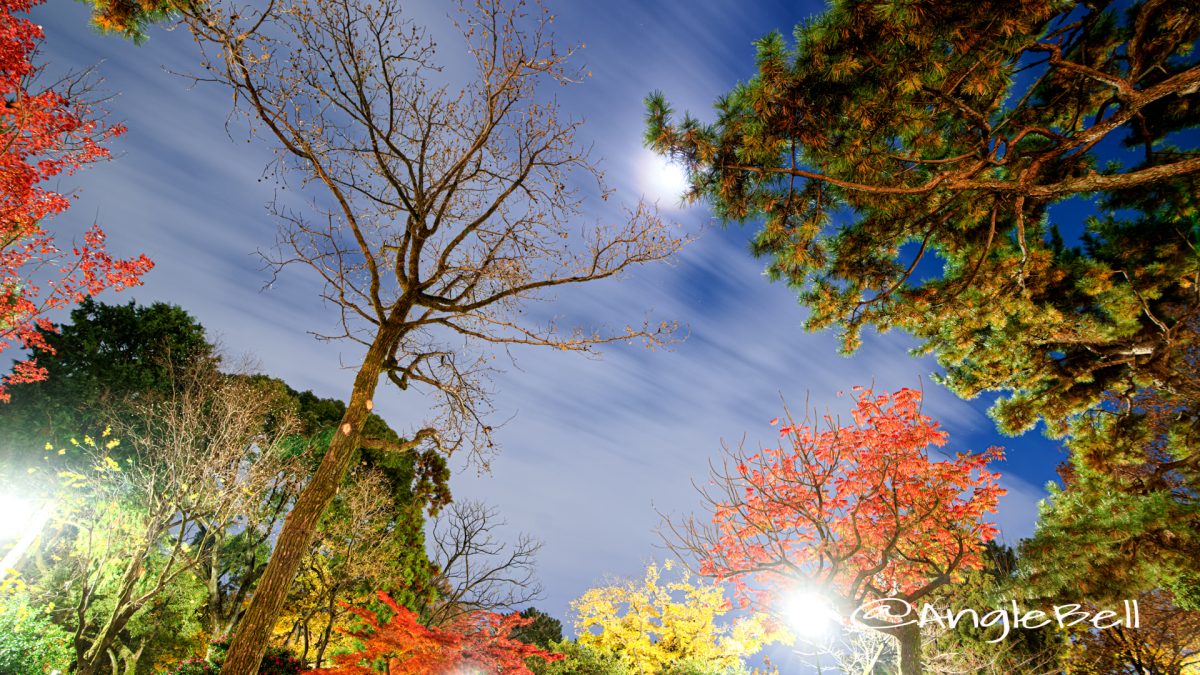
103, 356
168, 627
30, 644
418, 483
1109, 535
944, 131
1128, 520
1017, 184
111, 357
1100, 544
544, 629
276, 661
109, 354
579, 661
423, 475
966, 647
193, 666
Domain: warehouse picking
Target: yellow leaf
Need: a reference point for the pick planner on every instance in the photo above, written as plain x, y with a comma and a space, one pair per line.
654, 623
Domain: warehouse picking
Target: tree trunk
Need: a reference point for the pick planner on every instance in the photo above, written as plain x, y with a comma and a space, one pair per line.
131, 659
215, 604
908, 657
328, 632
99, 654
123, 610
255, 628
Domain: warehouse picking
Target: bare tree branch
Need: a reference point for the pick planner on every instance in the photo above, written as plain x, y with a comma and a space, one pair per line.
479, 572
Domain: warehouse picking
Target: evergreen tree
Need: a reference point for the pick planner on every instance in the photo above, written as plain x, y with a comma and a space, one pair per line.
542, 631
103, 356
131, 18
995, 649
1014, 184
1167, 641
1128, 519
896, 137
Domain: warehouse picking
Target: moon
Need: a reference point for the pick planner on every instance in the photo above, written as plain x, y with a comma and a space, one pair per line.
661, 180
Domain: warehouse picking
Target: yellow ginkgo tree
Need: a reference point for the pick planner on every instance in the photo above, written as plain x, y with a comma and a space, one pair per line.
655, 624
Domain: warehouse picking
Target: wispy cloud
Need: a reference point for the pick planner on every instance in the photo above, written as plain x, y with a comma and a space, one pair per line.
596, 446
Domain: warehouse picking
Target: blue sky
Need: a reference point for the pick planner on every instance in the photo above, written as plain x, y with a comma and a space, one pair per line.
593, 447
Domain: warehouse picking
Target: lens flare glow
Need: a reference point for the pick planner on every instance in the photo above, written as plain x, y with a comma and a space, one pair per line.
809, 614
18, 515
21, 520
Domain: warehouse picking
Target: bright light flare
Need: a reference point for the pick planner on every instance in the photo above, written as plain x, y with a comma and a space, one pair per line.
661, 180
810, 614
21, 521
20, 514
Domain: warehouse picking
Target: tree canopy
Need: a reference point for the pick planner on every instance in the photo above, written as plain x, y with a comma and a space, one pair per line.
149, 372
479, 641
131, 18
923, 166
436, 214
657, 626
1015, 183
97, 359
844, 515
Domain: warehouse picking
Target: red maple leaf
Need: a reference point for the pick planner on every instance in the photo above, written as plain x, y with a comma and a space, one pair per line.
44, 134
476, 642
859, 511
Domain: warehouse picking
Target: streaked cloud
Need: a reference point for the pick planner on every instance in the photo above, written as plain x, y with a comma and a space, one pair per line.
594, 446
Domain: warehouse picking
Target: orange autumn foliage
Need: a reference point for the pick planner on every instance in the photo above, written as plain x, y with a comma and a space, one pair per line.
44, 135
479, 641
859, 510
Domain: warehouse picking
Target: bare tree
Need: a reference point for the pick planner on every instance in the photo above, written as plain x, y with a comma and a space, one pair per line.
856, 650
234, 557
204, 456
434, 214
478, 571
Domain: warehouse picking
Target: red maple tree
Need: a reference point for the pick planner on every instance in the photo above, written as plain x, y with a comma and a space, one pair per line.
856, 512
476, 642
44, 134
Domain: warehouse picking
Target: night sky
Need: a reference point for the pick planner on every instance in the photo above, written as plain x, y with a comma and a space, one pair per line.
591, 448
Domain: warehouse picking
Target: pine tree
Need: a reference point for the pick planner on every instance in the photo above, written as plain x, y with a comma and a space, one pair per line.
895, 137
1128, 519
926, 165
131, 18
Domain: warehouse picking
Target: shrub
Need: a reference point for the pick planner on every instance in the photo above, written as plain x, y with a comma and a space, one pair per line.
30, 643
195, 666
